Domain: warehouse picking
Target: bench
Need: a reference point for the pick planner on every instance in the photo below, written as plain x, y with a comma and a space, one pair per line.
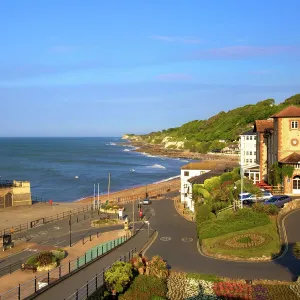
28, 267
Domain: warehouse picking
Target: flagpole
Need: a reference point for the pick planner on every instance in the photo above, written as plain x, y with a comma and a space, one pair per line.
94, 194
108, 187
98, 196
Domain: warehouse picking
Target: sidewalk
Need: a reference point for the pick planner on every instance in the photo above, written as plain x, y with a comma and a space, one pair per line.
16, 215
181, 210
11, 281
68, 286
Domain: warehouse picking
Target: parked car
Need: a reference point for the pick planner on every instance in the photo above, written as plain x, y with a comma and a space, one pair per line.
251, 198
147, 201
278, 200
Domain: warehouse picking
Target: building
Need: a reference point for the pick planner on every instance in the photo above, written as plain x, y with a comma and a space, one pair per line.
278, 141
248, 148
192, 170
248, 151
14, 193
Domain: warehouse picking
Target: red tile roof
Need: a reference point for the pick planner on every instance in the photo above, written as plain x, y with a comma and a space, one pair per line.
293, 158
261, 125
290, 111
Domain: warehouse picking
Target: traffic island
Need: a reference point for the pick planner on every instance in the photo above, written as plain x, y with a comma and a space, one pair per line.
105, 222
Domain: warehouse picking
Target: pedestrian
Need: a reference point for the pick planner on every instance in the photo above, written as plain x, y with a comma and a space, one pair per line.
141, 214
120, 214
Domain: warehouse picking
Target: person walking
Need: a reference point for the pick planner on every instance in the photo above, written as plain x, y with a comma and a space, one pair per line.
141, 214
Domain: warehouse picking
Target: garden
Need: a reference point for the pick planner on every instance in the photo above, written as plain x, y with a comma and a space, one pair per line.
46, 260
227, 231
105, 222
143, 279
111, 208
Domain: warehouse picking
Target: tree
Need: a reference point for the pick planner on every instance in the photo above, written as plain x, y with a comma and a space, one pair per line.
118, 276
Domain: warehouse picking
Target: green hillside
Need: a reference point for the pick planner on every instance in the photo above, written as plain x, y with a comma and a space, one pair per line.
204, 135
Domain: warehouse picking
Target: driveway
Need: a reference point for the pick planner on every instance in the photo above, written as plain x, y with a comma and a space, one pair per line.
177, 244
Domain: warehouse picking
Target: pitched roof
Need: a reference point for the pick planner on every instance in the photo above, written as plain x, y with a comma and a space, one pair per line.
261, 125
290, 111
249, 132
293, 158
209, 165
201, 178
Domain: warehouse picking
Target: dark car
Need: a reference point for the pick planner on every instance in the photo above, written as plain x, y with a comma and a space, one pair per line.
278, 200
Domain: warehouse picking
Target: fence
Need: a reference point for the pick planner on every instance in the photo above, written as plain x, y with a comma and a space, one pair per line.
56, 217
11, 268
32, 286
97, 283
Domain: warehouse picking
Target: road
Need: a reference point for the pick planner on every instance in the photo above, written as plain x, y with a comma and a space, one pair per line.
57, 234
177, 244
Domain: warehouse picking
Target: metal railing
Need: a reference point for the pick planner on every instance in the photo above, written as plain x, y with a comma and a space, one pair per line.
34, 285
97, 283
53, 218
11, 268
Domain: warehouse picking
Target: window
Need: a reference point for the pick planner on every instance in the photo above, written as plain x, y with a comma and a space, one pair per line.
247, 137
254, 153
247, 152
254, 137
247, 160
250, 160
250, 138
294, 124
186, 173
250, 152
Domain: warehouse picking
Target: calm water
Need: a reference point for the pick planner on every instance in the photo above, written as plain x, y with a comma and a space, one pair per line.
51, 165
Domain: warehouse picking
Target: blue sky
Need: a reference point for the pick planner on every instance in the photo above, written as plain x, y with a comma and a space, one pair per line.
104, 68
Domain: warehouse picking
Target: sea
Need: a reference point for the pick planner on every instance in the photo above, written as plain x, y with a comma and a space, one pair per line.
66, 169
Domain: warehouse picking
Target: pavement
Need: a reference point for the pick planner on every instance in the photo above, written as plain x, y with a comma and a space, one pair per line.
177, 244
56, 234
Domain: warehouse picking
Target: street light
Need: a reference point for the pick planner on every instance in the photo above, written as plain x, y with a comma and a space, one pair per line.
70, 230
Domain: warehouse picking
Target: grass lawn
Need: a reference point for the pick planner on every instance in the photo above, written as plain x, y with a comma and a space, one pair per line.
270, 247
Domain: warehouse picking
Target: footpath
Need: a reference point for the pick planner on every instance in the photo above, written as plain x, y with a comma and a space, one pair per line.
68, 286
11, 281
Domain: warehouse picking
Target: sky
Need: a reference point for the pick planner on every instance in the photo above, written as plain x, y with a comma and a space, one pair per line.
110, 67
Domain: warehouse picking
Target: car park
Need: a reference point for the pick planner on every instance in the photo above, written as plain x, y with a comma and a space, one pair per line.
278, 200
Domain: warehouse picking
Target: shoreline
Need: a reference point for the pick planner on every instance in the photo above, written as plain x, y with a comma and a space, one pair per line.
137, 192
159, 151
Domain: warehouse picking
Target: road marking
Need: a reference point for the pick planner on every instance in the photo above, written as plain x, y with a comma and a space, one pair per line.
60, 242
56, 228
165, 239
43, 232
186, 240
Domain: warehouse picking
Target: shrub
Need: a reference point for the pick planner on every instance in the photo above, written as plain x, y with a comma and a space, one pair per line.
32, 260
118, 276
212, 183
157, 267
146, 287
296, 250
269, 209
218, 205
59, 255
241, 220
45, 258
280, 292
158, 298
206, 277
232, 290
202, 213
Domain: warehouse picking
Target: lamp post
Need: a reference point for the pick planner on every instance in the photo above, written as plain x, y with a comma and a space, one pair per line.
242, 184
70, 231
235, 197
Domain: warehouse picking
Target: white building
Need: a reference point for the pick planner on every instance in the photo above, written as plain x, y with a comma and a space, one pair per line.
248, 148
195, 169
248, 163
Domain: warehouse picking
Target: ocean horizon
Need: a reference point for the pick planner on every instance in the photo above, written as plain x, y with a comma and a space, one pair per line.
65, 169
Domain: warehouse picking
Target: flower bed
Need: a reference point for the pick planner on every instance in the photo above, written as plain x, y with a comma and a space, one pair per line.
247, 240
46, 260
104, 222
232, 290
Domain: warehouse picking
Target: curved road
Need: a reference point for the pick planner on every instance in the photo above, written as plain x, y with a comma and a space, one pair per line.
183, 254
